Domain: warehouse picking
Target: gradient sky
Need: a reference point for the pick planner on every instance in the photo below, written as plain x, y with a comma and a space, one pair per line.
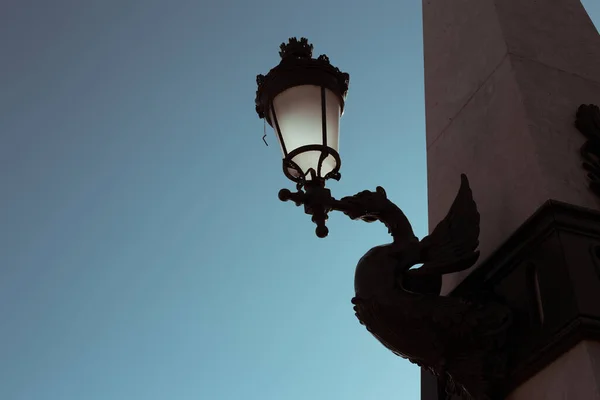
144, 253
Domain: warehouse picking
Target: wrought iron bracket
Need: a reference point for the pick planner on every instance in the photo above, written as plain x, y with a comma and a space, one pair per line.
317, 202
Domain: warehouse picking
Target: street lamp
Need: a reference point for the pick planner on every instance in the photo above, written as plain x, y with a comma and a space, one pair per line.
457, 339
303, 98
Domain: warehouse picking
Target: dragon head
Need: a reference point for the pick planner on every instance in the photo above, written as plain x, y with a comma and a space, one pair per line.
366, 205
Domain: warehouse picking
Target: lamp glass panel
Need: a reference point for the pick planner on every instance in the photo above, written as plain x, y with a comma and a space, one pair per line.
299, 115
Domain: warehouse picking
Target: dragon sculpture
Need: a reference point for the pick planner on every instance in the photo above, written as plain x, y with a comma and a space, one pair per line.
458, 340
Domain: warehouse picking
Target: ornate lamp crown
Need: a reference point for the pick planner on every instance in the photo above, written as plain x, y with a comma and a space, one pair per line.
296, 60
296, 48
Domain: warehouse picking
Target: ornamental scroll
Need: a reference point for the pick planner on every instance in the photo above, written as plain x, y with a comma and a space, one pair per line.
588, 123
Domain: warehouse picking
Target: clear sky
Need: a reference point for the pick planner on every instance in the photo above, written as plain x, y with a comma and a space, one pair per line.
144, 253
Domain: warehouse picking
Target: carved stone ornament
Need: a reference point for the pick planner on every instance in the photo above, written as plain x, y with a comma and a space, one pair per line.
459, 340
588, 123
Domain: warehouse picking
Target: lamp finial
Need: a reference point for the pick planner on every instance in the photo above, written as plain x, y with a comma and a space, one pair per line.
296, 48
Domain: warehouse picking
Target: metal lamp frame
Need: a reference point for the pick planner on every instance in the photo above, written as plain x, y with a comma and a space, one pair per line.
297, 68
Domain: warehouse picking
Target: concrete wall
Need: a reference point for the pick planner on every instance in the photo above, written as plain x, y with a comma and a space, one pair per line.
503, 80
575, 375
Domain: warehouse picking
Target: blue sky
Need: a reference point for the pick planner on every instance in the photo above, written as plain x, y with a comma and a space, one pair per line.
145, 254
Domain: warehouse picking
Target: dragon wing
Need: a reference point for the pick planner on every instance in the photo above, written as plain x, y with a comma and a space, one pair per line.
452, 246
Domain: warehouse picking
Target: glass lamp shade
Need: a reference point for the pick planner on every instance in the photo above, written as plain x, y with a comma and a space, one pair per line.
306, 120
